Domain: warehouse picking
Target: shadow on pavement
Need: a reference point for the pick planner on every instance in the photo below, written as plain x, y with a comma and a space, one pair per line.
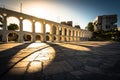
84, 61
6, 55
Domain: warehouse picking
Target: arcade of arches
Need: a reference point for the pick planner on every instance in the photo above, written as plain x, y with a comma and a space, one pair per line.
36, 29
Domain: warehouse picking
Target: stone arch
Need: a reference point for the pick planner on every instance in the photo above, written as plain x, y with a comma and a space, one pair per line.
13, 20
1, 22
48, 38
60, 38
27, 37
38, 38
27, 25
38, 27
47, 28
66, 39
12, 36
55, 38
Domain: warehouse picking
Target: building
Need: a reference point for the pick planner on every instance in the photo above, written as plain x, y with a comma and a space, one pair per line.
105, 22
69, 23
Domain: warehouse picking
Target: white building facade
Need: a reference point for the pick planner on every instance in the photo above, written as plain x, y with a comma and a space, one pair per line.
105, 22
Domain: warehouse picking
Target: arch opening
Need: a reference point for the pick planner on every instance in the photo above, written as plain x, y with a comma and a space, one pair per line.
27, 25
13, 20
47, 38
54, 39
38, 38
27, 37
12, 37
38, 27
47, 29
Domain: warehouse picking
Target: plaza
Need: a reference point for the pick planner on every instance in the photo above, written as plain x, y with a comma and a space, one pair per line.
85, 60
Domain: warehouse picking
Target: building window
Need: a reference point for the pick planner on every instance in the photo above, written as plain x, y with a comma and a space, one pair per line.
107, 27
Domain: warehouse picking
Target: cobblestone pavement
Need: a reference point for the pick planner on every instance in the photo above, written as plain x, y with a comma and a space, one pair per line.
60, 61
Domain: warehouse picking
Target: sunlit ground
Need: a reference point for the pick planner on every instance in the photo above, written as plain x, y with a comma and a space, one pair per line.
38, 54
4, 47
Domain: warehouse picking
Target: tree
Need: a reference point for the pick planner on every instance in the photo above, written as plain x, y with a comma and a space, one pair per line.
13, 27
90, 26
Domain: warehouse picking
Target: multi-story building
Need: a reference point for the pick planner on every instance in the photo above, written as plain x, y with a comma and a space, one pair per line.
105, 22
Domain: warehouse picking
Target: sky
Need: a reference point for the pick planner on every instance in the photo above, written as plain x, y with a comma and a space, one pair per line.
81, 12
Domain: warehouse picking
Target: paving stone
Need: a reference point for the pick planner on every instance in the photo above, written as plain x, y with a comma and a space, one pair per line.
34, 66
93, 69
93, 62
77, 65
42, 58
34, 71
57, 67
14, 74
60, 76
17, 71
79, 73
22, 64
14, 59
71, 61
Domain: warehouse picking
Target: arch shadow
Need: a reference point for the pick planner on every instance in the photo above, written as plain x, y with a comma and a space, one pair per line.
79, 61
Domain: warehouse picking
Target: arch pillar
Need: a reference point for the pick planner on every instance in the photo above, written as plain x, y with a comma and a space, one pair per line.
63, 31
58, 34
4, 38
43, 32
51, 32
72, 36
79, 33
33, 31
21, 30
63, 34
68, 37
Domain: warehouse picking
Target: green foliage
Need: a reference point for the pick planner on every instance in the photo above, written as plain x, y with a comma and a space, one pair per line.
13, 27
90, 26
106, 35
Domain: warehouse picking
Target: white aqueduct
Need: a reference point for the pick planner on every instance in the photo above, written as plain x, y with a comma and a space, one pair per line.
57, 32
